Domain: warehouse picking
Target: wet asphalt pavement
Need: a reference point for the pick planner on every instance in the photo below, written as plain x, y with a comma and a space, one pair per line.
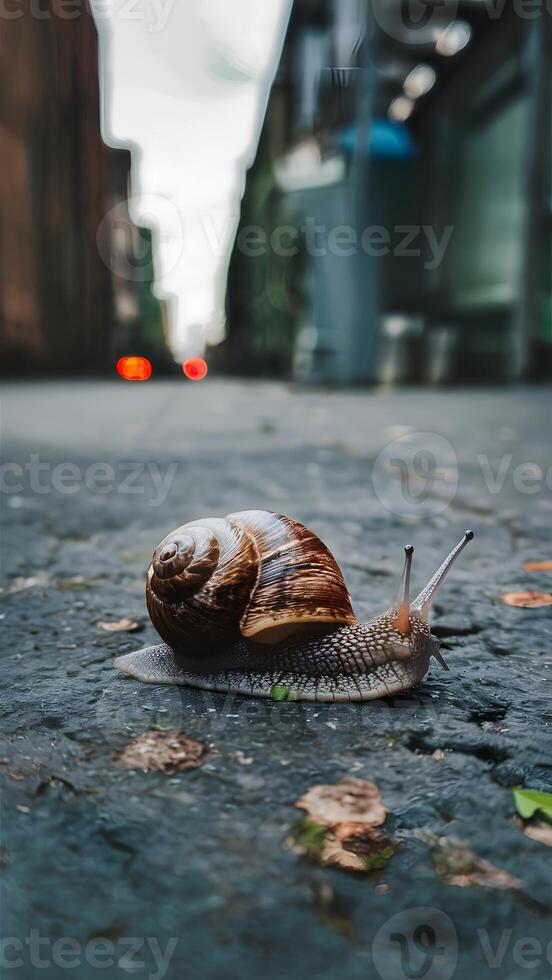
192, 874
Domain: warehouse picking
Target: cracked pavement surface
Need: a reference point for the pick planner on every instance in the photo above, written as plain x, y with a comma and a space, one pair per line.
91, 849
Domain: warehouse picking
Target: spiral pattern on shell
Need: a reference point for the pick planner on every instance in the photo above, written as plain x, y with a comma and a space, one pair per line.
254, 573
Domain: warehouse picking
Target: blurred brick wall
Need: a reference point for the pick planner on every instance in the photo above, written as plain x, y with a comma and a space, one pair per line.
57, 181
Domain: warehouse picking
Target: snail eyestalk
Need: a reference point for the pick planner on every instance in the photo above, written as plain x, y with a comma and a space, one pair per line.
423, 602
402, 605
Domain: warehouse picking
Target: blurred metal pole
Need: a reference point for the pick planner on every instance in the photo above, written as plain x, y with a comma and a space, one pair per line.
536, 273
363, 355
345, 283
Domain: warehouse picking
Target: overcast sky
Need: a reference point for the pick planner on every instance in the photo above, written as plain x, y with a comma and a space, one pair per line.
185, 84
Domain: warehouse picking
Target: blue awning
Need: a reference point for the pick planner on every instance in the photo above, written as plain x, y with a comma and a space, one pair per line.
387, 140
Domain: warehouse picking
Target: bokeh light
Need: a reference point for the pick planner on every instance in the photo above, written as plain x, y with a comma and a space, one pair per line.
400, 109
454, 38
195, 368
419, 81
134, 368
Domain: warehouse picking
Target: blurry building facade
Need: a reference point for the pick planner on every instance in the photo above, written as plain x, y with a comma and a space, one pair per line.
63, 307
432, 138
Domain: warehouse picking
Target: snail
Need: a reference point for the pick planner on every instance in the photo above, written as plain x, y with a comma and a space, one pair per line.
256, 604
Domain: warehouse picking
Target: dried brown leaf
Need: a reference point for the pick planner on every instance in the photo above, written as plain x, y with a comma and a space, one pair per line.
77, 583
165, 751
339, 829
334, 855
119, 626
363, 852
458, 865
527, 600
38, 581
538, 566
541, 832
355, 803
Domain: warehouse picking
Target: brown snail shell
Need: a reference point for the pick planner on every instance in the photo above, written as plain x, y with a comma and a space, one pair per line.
256, 574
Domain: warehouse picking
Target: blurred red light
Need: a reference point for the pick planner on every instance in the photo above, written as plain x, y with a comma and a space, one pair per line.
134, 368
195, 368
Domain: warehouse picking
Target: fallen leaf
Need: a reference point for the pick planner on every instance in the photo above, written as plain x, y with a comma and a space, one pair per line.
351, 801
77, 583
334, 854
538, 831
363, 852
119, 626
169, 751
528, 802
340, 826
538, 566
458, 865
527, 600
15, 774
371, 847
40, 580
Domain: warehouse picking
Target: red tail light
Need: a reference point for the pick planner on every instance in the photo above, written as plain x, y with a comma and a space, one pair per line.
195, 368
134, 368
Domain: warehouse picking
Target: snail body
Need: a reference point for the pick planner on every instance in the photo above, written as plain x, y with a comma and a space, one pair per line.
256, 604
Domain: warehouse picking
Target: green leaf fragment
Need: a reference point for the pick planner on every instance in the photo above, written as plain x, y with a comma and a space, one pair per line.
531, 801
310, 837
281, 694
380, 859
